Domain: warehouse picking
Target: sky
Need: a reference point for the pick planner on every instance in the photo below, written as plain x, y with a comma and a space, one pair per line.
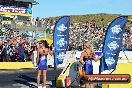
53, 8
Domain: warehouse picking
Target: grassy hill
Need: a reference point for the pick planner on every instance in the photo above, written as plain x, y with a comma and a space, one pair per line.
99, 19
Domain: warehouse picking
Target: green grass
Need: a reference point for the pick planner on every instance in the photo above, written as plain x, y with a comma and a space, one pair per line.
99, 19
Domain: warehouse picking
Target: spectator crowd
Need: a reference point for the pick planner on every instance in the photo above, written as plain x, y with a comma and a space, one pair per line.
18, 46
95, 34
88, 31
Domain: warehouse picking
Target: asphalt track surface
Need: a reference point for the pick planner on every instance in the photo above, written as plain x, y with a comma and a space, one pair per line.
26, 78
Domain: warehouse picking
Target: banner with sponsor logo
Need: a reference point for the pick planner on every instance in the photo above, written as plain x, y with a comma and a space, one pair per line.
113, 44
61, 39
14, 10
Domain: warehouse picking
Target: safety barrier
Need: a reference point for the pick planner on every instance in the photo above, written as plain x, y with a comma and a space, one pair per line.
16, 65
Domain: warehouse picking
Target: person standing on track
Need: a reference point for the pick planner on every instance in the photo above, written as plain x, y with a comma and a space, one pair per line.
86, 60
42, 52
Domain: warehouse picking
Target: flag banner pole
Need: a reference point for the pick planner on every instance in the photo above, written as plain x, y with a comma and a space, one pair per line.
61, 39
112, 44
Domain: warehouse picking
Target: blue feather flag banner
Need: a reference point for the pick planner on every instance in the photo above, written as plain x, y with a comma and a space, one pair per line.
61, 39
112, 44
